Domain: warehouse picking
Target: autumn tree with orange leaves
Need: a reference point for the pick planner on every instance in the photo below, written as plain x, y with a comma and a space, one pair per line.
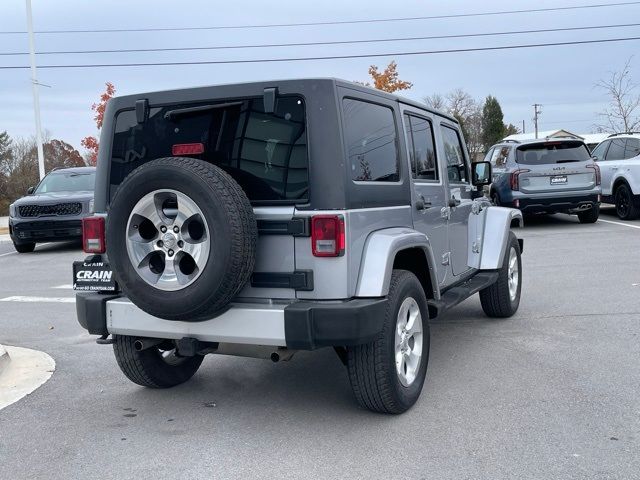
91, 142
388, 80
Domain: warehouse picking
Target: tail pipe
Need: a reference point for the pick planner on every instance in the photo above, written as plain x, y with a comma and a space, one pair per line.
144, 343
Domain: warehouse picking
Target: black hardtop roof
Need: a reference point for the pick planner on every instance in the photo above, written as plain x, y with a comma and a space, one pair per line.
261, 85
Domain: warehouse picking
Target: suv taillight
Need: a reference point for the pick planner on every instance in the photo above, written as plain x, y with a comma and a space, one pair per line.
327, 235
93, 238
514, 179
596, 167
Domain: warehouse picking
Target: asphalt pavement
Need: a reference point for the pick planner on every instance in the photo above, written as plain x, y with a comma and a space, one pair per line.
552, 393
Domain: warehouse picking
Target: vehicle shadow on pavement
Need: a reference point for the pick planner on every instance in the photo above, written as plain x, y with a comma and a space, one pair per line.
309, 383
59, 247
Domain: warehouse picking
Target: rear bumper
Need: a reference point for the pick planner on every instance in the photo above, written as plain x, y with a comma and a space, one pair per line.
299, 325
557, 204
27, 231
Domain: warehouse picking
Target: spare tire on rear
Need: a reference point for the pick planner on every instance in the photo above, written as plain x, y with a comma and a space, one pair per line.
181, 238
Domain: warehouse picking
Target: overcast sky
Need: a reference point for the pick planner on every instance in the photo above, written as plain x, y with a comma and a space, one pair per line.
560, 78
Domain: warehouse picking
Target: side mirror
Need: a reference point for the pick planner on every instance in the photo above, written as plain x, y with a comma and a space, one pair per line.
30, 190
481, 174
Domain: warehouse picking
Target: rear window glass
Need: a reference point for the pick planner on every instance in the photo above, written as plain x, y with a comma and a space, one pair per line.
552, 152
370, 136
266, 153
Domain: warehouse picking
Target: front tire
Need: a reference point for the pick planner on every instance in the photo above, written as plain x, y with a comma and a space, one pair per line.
24, 247
502, 299
589, 216
387, 374
155, 367
627, 205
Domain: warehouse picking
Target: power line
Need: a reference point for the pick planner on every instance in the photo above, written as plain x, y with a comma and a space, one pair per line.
332, 57
337, 42
336, 22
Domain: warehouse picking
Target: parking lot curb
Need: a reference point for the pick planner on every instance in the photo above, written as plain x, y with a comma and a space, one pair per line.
4, 359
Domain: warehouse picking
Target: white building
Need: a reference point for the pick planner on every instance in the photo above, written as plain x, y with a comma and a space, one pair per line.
591, 139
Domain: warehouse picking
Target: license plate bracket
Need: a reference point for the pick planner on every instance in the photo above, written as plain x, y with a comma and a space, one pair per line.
558, 180
93, 274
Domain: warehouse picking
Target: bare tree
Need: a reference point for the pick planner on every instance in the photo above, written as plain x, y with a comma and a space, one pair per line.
460, 103
436, 101
623, 112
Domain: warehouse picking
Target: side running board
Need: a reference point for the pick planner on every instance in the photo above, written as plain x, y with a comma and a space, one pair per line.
460, 292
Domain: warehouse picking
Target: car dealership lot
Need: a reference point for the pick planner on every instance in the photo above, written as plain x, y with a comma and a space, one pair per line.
550, 393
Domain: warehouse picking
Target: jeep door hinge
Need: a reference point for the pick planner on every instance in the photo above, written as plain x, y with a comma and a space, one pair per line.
446, 258
445, 212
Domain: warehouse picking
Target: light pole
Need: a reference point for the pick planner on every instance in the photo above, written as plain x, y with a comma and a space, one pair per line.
34, 86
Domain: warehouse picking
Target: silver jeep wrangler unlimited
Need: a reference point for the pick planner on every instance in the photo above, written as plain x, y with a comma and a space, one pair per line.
264, 218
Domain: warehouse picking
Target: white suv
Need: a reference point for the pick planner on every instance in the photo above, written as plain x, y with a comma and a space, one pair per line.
619, 160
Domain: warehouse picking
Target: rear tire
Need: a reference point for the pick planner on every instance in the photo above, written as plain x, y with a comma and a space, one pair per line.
387, 374
502, 299
627, 204
589, 216
153, 367
24, 247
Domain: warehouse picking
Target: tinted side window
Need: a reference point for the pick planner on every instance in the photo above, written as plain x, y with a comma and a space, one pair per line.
616, 150
371, 141
633, 148
500, 156
422, 152
454, 154
600, 150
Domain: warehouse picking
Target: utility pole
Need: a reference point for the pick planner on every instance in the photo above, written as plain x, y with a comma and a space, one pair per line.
536, 114
34, 86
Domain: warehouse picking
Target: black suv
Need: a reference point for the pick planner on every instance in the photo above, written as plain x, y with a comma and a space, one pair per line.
53, 210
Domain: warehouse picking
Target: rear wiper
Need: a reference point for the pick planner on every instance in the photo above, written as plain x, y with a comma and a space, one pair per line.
202, 108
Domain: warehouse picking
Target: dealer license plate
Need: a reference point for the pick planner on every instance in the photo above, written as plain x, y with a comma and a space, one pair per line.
558, 180
93, 275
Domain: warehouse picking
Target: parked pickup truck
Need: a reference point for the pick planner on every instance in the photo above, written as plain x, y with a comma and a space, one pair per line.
264, 218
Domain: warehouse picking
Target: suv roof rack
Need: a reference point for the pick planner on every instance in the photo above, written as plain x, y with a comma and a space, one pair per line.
623, 133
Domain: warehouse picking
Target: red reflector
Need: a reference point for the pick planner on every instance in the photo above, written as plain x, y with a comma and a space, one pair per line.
327, 235
187, 149
93, 238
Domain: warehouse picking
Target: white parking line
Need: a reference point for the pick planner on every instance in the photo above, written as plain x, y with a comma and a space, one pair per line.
619, 223
11, 253
20, 298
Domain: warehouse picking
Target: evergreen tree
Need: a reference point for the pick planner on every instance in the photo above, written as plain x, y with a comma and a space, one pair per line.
493, 129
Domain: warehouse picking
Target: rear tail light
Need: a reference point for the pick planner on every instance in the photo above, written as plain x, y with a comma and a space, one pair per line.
93, 238
327, 235
596, 167
514, 179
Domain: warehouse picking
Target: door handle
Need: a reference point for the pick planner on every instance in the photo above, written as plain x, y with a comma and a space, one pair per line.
421, 203
454, 202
